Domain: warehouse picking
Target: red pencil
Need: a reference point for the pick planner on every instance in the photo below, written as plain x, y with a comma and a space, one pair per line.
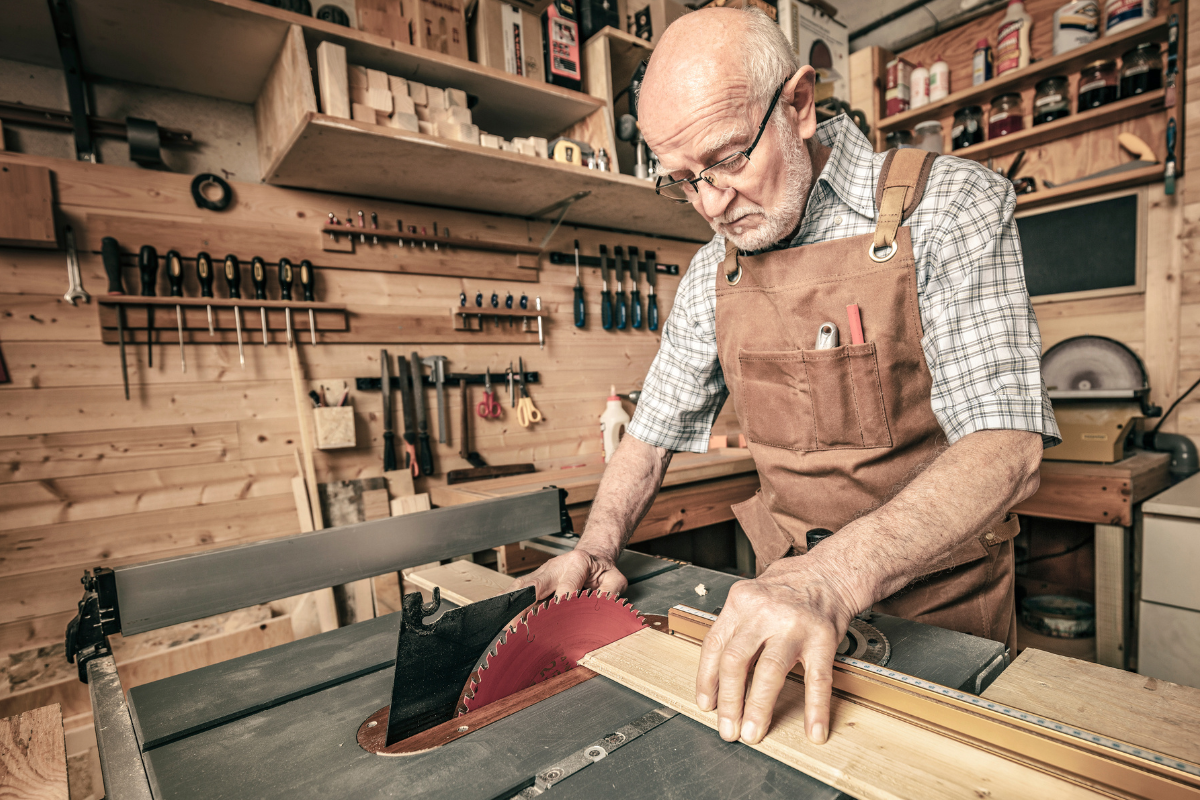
856, 329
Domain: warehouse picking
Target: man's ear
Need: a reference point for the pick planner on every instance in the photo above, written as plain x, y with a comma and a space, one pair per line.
799, 92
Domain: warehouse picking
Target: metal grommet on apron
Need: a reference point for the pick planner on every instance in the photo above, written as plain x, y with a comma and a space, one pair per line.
873, 252
732, 278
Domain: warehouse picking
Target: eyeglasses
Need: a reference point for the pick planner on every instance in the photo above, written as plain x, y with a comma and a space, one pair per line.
721, 175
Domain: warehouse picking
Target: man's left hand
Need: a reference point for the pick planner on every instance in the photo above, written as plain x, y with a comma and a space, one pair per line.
792, 613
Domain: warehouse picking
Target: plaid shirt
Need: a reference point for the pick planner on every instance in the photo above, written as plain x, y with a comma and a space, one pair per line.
981, 338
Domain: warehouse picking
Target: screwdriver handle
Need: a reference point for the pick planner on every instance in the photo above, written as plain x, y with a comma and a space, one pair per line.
622, 311
204, 271
148, 269
635, 309
175, 273
233, 276
652, 312
258, 274
389, 450
110, 250
580, 311
306, 278
606, 310
285, 279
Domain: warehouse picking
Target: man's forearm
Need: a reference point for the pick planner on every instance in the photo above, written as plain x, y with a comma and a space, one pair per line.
968, 487
630, 482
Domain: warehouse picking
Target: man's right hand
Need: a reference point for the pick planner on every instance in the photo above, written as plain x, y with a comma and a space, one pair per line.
571, 572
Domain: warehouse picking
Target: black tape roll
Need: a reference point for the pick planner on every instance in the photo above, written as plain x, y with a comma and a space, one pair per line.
221, 203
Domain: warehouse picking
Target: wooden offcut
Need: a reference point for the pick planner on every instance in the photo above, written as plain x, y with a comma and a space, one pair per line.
332, 76
462, 582
287, 97
26, 206
33, 756
385, 18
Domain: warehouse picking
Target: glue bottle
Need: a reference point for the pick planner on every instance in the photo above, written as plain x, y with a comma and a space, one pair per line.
612, 424
1012, 43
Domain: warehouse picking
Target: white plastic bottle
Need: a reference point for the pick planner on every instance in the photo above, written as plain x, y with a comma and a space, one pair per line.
939, 80
612, 424
1122, 14
1012, 41
919, 83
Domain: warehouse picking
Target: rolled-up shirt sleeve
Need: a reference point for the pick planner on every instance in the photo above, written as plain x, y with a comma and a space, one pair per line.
981, 337
685, 388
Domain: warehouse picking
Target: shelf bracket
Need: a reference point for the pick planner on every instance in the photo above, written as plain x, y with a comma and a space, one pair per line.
565, 205
68, 49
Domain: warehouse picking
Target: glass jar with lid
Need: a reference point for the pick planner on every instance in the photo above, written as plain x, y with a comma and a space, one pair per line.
1097, 85
899, 139
968, 127
1051, 100
928, 136
1007, 116
1141, 70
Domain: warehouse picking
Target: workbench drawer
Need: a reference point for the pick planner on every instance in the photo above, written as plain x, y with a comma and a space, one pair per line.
1169, 644
1171, 561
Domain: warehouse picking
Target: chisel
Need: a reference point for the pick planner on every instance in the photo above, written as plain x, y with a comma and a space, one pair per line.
233, 282
111, 252
635, 295
389, 435
606, 304
285, 293
258, 274
148, 269
651, 298
424, 454
538, 306
580, 309
175, 279
622, 308
204, 271
307, 278
406, 411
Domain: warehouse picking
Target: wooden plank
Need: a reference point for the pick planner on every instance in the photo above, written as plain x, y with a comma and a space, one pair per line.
1112, 595
1142, 711
869, 755
26, 212
685, 508
332, 78
1100, 493
287, 95
513, 558
33, 756
461, 582
1164, 264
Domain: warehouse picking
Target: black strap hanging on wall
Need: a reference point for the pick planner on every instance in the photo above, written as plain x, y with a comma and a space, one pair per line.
143, 142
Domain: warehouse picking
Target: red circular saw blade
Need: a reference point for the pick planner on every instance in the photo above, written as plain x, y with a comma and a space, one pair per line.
547, 641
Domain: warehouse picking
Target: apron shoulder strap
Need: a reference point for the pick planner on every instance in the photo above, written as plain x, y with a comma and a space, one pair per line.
901, 186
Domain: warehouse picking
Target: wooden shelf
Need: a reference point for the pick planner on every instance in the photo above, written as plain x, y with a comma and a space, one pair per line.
358, 158
1106, 47
1136, 106
1108, 183
225, 49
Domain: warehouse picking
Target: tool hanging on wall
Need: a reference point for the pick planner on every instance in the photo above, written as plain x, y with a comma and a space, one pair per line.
538, 307
233, 283
508, 304
489, 406
496, 304
622, 308
580, 308
200, 185
527, 412
464, 449
285, 293
406, 411
307, 281
110, 251
651, 298
424, 452
175, 281
74, 277
606, 303
389, 435
258, 274
1169, 165
568, 260
437, 373
524, 307
635, 298
148, 270
204, 273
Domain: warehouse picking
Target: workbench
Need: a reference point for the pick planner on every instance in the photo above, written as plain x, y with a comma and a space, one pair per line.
698, 489
1109, 496
282, 723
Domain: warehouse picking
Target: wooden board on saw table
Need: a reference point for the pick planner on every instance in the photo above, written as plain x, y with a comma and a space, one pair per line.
461, 582
1133, 708
870, 755
33, 756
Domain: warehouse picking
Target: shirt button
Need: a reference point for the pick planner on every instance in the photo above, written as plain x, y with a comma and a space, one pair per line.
837, 220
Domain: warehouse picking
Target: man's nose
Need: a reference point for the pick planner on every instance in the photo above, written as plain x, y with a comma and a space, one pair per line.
713, 201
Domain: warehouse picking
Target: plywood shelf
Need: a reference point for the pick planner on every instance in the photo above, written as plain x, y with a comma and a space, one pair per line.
1108, 183
330, 154
1106, 47
1136, 106
225, 49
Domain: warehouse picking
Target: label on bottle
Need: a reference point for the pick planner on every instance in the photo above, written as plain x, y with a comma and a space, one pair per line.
1008, 46
1048, 100
999, 116
1076, 24
1097, 84
981, 66
1123, 13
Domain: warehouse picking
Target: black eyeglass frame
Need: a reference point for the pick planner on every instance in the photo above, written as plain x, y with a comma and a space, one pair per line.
695, 182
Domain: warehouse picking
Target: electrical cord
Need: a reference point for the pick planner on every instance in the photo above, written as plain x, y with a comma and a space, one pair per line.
1178, 400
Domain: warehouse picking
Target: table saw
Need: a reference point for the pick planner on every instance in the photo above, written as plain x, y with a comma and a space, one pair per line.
294, 720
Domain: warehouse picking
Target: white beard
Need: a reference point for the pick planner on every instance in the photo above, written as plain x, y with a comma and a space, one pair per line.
777, 223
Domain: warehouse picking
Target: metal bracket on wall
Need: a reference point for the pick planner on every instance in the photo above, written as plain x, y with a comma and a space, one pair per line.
472, 378
565, 205
68, 50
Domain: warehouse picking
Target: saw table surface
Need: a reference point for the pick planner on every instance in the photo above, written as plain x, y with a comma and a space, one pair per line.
283, 722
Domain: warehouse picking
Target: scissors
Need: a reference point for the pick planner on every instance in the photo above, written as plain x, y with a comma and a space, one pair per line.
527, 413
489, 407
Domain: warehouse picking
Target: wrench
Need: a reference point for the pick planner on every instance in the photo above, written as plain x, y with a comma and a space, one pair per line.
75, 289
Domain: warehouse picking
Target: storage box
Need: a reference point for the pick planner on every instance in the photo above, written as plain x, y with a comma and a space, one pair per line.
440, 26
507, 37
334, 427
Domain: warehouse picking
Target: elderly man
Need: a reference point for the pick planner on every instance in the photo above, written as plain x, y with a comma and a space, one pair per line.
910, 438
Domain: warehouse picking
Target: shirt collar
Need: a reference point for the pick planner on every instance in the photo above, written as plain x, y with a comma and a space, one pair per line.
850, 170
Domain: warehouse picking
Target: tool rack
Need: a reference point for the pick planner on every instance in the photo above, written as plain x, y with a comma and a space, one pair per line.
329, 317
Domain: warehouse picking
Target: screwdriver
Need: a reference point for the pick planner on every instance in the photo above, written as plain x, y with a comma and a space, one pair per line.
524, 305
580, 311
606, 305
204, 271
148, 268
651, 298
233, 281
479, 304
622, 308
111, 252
462, 303
258, 274
285, 293
175, 279
496, 304
635, 295
306, 280
508, 300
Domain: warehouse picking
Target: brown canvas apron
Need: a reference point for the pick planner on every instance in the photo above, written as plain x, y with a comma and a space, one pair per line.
836, 433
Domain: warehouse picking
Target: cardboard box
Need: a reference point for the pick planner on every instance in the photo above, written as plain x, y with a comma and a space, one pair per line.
440, 26
507, 37
807, 28
384, 18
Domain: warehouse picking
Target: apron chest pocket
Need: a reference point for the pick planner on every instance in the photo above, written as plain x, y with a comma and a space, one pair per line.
814, 399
